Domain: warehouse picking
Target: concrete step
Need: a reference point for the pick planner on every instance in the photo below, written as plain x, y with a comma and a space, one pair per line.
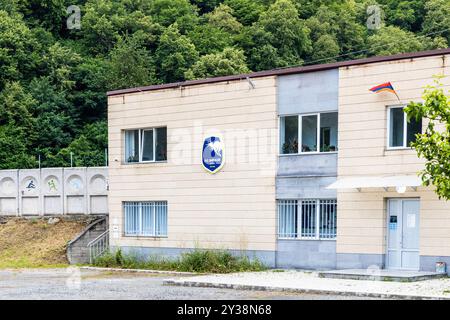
381, 275
77, 249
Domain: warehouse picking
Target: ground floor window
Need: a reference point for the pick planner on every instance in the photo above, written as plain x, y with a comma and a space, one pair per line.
307, 219
148, 218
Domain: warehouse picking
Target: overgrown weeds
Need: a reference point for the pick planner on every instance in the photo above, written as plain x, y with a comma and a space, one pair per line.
200, 261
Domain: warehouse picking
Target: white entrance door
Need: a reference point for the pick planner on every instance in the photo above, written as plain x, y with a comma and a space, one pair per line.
403, 234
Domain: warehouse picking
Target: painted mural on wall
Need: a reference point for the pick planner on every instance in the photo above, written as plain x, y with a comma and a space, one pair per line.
54, 191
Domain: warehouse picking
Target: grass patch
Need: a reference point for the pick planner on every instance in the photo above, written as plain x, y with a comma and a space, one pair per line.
33, 243
200, 261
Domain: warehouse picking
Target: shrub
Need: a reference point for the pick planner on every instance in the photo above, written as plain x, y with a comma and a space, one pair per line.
201, 261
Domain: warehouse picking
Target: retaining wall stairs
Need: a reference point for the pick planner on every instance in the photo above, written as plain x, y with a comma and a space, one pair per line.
77, 249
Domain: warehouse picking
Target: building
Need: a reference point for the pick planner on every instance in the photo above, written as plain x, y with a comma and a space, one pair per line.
305, 167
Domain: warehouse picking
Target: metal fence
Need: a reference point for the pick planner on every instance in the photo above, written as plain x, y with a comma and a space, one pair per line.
307, 219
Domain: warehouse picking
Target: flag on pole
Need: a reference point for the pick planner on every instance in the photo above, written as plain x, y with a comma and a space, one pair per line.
385, 87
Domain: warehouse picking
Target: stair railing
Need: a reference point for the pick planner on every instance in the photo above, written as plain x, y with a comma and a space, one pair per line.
98, 246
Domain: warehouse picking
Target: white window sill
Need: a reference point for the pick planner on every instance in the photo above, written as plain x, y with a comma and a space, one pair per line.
144, 237
398, 148
143, 162
305, 153
308, 239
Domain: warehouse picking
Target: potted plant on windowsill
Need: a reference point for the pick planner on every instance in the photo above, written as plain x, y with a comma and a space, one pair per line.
327, 148
134, 158
290, 146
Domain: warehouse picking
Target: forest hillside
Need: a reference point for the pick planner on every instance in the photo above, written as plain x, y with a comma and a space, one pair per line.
59, 57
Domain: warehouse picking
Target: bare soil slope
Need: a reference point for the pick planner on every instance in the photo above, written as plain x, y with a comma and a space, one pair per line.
32, 243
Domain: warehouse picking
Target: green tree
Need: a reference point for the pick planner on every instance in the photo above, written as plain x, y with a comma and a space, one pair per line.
437, 18
206, 6
230, 61
88, 149
175, 55
15, 107
55, 117
167, 12
16, 127
60, 62
308, 8
50, 15
406, 14
98, 32
325, 49
131, 65
14, 149
278, 35
92, 78
434, 144
222, 18
209, 39
246, 11
391, 40
17, 46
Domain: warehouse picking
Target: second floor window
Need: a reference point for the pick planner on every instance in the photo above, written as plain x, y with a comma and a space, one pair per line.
401, 132
146, 145
309, 133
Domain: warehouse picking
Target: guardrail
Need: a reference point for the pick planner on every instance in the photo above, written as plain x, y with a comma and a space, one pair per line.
98, 246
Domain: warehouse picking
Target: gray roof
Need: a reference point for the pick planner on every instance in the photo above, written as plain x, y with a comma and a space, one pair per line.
284, 71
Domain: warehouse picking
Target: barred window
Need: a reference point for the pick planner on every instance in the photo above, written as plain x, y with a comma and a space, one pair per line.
307, 219
145, 218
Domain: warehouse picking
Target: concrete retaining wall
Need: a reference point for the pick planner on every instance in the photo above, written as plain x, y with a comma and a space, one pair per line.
54, 191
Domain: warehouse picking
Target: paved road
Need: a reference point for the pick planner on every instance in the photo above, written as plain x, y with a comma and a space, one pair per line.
66, 284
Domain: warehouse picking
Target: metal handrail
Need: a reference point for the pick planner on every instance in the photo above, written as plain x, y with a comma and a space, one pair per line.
98, 246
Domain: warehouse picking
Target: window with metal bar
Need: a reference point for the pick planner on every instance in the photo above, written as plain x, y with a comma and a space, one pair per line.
147, 218
308, 223
327, 219
307, 219
287, 216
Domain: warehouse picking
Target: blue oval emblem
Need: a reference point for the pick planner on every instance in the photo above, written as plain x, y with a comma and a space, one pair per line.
213, 155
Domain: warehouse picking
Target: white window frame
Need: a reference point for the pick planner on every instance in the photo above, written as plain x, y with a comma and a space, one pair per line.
300, 136
154, 233
405, 128
141, 145
300, 220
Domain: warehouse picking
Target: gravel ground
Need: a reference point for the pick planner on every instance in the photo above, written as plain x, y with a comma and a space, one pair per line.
436, 288
66, 284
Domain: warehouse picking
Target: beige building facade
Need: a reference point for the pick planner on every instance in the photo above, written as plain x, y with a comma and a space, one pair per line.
367, 229
315, 170
232, 209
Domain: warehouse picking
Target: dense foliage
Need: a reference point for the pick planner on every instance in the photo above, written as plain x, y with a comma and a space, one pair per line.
434, 144
53, 79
